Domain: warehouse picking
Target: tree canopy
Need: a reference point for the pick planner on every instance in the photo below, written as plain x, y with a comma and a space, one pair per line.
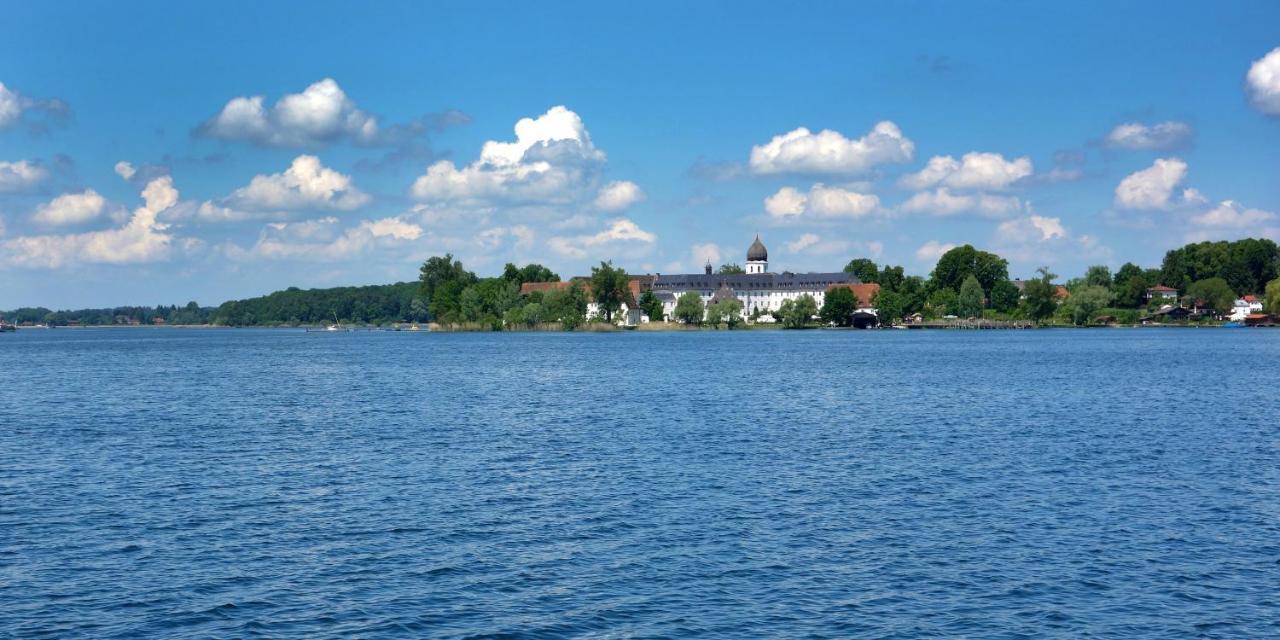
689, 309
731, 269
964, 261
1246, 265
529, 273
609, 288
864, 268
1213, 292
1041, 296
838, 306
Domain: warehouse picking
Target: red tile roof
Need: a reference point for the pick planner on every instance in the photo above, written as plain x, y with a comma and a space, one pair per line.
865, 290
1161, 287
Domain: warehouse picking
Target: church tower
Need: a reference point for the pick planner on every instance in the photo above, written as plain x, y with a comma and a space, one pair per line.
757, 257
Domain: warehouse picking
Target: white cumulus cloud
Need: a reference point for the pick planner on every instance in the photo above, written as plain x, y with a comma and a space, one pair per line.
141, 239
618, 195
21, 175
70, 208
829, 152
1162, 136
974, 170
1263, 83
125, 170
814, 244
321, 114
932, 250
1231, 214
622, 238
551, 161
306, 184
820, 202
14, 105
1153, 187
319, 240
942, 202
1031, 229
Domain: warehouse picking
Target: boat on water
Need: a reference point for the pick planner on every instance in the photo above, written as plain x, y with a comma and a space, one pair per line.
7, 327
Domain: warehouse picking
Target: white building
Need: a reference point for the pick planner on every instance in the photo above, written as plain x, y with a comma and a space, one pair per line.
1245, 306
759, 290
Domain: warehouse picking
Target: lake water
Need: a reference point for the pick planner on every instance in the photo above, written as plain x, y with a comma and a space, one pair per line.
190, 483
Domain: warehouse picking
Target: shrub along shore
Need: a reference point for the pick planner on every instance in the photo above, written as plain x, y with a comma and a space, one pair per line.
1195, 285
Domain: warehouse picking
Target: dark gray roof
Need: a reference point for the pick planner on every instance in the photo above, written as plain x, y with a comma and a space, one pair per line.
757, 251
746, 281
664, 296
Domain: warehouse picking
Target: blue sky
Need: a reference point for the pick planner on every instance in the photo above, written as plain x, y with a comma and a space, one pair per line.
319, 144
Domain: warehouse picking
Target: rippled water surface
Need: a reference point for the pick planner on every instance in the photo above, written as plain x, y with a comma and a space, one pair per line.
187, 483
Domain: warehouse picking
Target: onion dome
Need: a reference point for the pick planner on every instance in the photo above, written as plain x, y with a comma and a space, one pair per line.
757, 252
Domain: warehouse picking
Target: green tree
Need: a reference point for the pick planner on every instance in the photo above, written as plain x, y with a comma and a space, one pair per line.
891, 278
1214, 292
726, 311
567, 306
1098, 275
441, 281
418, 309
943, 302
798, 313
1041, 295
969, 302
838, 306
528, 273
651, 306
1087, 301
731, 269
864, 268
961, 262
689, 309
1005, 296
1271, 301
1132, 293
1123, 274
889, 305
609, 288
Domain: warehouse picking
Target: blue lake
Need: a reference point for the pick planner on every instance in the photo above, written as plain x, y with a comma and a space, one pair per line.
237, 483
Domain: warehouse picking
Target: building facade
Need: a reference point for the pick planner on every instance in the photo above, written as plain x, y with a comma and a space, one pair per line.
759, 290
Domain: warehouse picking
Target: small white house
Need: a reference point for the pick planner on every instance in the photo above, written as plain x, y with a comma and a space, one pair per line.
1245, 306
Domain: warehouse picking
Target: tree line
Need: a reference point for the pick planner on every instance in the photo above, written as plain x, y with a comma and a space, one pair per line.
188, 314
966, 282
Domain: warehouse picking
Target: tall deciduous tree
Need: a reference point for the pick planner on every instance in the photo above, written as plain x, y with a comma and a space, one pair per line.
609, 288
1086, 302
1271, 302
864, 268
731, 269
689, 309
1004, 296
961, 262
838, 306
1041, 295
1214, 292
889, 305
1098, 275
799, 312
441, 281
